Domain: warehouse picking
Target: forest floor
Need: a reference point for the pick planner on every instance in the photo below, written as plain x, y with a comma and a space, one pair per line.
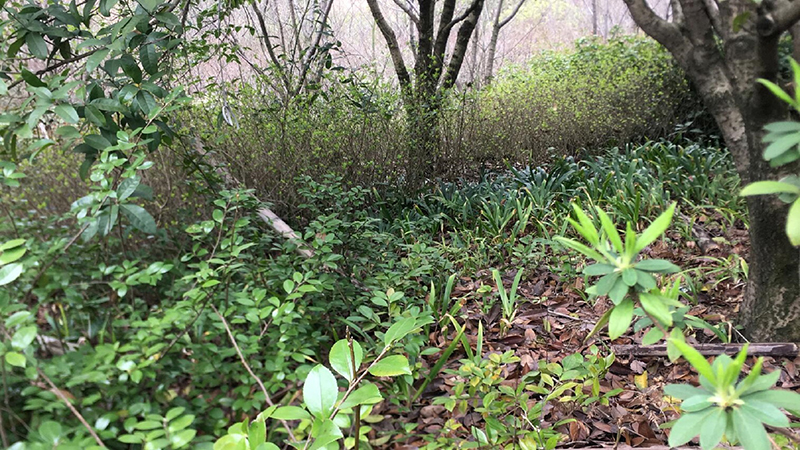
553, 322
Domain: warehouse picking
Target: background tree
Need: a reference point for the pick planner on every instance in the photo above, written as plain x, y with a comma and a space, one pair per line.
724, 47
433, 72
497, 24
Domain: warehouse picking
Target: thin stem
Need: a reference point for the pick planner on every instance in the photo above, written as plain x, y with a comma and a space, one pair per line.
250, 371
75, 412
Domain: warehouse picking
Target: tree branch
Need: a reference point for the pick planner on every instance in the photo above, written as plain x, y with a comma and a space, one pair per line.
59, 64
666, 33
391, 43
774, 19
462, 42
714, 16
408, 10
306, 64
270, 50
505, 21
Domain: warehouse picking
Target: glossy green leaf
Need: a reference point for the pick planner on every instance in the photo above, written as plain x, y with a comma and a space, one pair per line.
36, 45
290, 413
391, 366
50, 431
598, 269
367, 394
257, 434
67, 113
127, 187
320, 391
15, 359
780, 398
341, 358
399, 330
148, 55
9, 273
24, 337
620, 319
139, 218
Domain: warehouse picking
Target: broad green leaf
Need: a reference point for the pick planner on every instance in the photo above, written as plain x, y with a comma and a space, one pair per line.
320, 391
32, 79
793, 223
749, 431
399, 330
181, 423
257, 434
96, 141
620, 319
95, 59
149, 57
182, 438
598, 269
656, 229
629, 276
67, 113
341, 358
687, 427
50, 431
766, 413
290, 413
365, 395
735, 368
618, 292
652, 336
15, 359
391, 366
146, 102
174, 412
788, 400
36, 45
769, 187
781, 146
713, 428
599, 325
605, 284
9, 256
127, 187
23, 337
697, 403
657, 265
9, 273
645, 280
327, 433
783, 127
763, 382
695, 359
653, 305
11, 244
139, 218
3, 88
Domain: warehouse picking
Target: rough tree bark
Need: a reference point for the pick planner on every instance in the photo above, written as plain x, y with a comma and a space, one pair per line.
433, 71
496, 26
724, 46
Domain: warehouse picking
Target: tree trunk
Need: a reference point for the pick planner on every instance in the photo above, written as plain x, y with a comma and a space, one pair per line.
724, 64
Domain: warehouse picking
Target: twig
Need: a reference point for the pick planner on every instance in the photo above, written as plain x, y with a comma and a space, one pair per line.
58, 64
75, 412
250, 371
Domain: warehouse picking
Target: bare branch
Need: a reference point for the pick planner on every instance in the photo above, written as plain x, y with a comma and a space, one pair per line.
447, 24
406, 7
391, 42
505, 21
270, 49
306, 64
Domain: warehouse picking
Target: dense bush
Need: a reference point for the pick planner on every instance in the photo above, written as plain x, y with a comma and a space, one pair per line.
596, 95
